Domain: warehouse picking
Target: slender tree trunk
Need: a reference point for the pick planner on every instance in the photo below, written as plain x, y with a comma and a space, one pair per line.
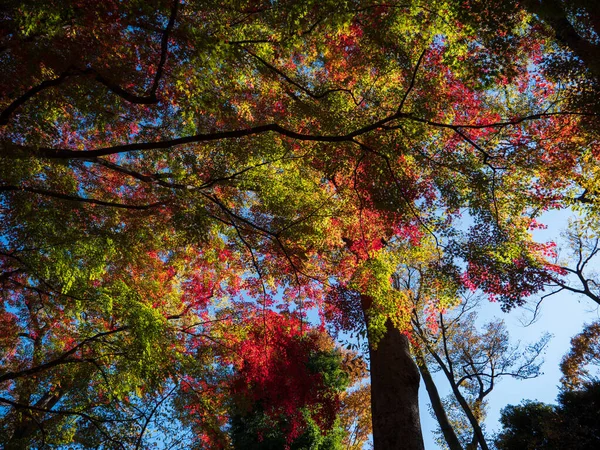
477, 431
473, 444
436, 404
394, 394
463, 403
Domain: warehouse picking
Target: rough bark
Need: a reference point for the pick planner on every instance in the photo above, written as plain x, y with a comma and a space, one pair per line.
394, 394
436, 404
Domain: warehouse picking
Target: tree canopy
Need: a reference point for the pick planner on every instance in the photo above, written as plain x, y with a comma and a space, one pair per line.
571, 424
182, 183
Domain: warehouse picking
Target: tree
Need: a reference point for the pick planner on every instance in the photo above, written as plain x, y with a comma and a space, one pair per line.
585, 351
572, 424
582, 242
274, 387
527, 426
575, 272
574, 24
472, 360
169, 168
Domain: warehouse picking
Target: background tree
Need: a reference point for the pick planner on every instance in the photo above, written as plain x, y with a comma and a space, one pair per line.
581, 241
527, 426
572, 423
283, 389
472, 361
584, 352
355, 414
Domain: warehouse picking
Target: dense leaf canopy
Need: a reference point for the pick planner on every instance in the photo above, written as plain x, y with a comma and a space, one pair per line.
571, 424
179, 179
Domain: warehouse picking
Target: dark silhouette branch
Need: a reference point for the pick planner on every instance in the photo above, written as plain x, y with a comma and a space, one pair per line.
19, 101
75, 198
62, 359
164, 50
288, 79
149, 99
15, 150
412, 82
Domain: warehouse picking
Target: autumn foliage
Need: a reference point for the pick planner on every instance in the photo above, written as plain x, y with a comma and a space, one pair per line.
186, 186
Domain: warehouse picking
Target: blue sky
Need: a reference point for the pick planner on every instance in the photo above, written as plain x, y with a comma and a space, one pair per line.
563, 315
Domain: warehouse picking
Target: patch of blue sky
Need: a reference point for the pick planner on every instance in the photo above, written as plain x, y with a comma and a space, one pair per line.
563, 315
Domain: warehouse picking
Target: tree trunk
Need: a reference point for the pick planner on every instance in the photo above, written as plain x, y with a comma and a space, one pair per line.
478, 432
394, 394
436, 404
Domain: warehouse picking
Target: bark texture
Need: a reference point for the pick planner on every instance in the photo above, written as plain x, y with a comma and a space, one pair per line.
394, 394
